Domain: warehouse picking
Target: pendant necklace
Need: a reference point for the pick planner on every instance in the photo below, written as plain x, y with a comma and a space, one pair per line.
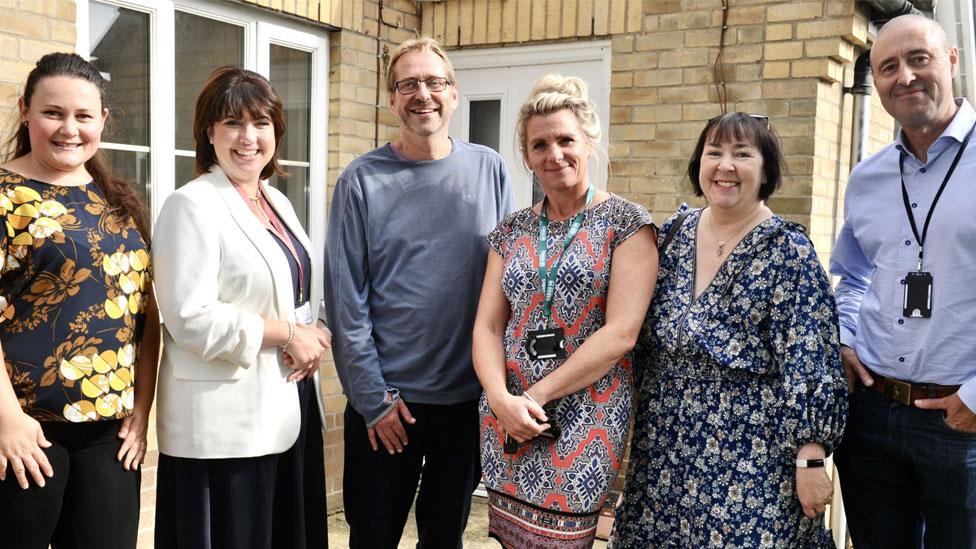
720, 250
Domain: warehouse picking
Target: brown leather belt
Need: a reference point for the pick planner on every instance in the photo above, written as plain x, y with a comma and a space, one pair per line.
906, 393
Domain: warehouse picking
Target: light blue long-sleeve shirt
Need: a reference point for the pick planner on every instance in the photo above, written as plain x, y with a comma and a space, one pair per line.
404, 262
876, 249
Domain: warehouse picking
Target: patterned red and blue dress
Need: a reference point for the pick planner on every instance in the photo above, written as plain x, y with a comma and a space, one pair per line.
73, 282
548, 494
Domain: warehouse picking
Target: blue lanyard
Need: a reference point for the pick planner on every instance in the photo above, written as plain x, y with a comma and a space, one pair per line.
549, 283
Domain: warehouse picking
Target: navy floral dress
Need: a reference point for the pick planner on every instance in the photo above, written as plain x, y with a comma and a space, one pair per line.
731, 384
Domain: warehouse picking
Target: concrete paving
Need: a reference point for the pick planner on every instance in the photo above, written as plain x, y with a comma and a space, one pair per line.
475, 536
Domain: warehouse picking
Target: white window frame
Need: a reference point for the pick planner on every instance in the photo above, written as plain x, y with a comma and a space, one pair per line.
317, 45
262, 28
541, 56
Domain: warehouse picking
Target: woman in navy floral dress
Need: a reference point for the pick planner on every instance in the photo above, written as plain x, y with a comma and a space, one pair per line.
565, 417
741, 391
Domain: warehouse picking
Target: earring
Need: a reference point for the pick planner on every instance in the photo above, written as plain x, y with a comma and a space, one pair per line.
24, 123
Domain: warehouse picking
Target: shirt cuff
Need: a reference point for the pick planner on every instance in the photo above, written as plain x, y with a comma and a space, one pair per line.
847, 337
390, 402
967, 393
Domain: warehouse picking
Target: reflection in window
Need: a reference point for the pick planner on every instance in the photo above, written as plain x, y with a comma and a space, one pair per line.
291, 76
537, 193
133, 166
184, 170
484, 122
202, 45
119, 41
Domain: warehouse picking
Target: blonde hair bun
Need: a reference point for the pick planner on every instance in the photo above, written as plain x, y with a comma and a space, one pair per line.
555, 92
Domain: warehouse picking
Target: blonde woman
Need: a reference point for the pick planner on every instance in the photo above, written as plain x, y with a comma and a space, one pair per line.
566, 289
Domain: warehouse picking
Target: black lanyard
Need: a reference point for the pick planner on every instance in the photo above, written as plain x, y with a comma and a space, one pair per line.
945, 181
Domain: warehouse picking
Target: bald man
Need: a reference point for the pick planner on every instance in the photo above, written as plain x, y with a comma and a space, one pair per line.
906, 258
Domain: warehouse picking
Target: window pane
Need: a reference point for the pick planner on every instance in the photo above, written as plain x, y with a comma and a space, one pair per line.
120, 51
295, 187
202, 45
484, 122
291, 71
184, 170
133, 166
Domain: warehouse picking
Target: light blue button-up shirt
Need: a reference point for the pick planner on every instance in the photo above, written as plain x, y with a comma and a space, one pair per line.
876, 249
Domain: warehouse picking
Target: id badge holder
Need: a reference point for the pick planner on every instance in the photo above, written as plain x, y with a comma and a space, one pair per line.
303, 314
546, 344
917, 302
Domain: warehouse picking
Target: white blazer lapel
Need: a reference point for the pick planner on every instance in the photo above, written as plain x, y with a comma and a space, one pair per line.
264, 243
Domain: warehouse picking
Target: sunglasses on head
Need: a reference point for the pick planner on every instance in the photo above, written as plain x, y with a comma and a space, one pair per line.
761, 118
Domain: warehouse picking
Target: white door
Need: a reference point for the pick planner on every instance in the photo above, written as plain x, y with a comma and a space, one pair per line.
493, 83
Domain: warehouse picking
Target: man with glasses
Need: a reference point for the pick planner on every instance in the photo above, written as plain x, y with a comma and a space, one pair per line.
906, 259
405, 259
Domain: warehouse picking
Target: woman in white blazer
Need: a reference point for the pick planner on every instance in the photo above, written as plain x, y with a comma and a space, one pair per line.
239, 432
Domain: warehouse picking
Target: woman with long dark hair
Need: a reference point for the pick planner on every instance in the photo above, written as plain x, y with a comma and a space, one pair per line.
78, 326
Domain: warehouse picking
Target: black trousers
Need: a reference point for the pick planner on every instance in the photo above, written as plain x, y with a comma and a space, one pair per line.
266, 502
379, 488
91, 501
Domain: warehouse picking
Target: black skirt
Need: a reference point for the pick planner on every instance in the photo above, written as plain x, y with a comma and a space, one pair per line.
267, 502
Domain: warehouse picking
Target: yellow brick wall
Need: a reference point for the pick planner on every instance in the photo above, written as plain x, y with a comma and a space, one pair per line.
355, 15
783, 59
28, 30
495, 22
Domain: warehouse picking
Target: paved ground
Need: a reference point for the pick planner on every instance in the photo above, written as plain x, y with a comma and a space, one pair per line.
475, 536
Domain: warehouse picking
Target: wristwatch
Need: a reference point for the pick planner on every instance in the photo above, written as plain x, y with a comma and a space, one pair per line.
805, 463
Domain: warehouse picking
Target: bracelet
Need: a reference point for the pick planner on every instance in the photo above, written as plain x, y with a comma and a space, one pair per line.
291, 336
807, 463
532, 400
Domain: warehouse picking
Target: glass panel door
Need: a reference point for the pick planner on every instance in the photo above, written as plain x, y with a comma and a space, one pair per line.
202, 45
291, 76
124, 63
484, 122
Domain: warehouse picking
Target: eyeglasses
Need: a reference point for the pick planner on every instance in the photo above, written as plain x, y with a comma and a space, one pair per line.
409, 86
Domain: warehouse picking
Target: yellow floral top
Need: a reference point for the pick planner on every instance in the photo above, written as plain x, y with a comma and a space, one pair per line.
72, 295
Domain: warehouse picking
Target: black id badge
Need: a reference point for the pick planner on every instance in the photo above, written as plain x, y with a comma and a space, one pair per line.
918, 295
546, 344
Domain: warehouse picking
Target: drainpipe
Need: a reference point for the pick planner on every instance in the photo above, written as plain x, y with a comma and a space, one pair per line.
885, 10
861, 90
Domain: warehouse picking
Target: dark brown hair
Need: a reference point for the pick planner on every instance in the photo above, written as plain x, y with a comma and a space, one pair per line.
739, 126
230, 92
122, 200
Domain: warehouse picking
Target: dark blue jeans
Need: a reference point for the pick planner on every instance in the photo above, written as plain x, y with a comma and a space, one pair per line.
908, 480
378, 489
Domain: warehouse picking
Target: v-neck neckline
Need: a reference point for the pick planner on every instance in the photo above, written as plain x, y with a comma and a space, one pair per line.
749, 239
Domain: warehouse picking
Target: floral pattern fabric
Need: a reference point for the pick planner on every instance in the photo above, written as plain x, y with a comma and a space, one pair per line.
73, 278
549, 492
731, 384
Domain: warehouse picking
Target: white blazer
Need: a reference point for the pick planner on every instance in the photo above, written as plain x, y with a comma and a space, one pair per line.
218, 273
